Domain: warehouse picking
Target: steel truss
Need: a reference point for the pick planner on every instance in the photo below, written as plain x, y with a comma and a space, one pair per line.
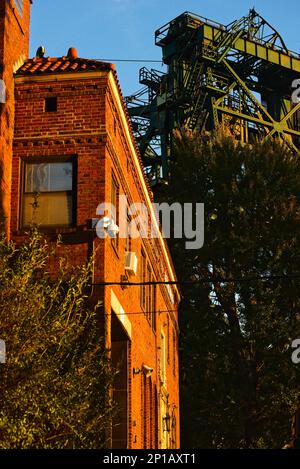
239, 76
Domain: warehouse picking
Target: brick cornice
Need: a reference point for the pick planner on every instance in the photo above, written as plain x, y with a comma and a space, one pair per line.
58, 77
92, 137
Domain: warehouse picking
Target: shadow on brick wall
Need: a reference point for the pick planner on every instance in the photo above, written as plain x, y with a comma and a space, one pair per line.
2, 215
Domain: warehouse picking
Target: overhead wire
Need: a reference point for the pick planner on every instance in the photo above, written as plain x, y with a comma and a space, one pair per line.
144, 313
204, 280
200, 281
132, 60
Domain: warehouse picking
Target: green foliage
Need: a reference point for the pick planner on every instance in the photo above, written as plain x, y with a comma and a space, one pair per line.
55, 384
238, 385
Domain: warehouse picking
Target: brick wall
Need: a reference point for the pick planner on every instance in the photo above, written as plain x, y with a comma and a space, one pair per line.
14, 43
89, 125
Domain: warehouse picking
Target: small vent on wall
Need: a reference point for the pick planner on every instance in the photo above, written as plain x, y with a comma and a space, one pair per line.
131, 262
51, 104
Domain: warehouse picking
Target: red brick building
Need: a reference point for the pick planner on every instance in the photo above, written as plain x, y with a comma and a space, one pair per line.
73, 145
14, 45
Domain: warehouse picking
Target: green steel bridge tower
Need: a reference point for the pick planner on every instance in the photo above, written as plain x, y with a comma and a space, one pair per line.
240, 76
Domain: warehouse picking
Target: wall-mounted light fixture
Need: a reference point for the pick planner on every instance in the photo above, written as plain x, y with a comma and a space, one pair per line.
167, 423
105, 226
147, 370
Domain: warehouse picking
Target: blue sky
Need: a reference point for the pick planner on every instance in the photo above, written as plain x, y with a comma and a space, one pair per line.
124, 29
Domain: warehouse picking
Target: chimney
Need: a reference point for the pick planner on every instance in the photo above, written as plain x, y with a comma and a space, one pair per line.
72, 53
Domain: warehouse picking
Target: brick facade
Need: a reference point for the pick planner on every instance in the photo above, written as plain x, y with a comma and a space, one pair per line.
90, 128
14, 44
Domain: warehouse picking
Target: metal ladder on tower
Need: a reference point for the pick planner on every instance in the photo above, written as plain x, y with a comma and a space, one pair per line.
228, 40
194, 76
195, 90
198, 109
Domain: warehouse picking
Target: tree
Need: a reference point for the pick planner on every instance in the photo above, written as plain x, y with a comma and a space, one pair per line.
239, 386
54, 386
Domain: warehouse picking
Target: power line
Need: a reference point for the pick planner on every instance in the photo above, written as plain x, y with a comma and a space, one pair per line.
197, 282
204, 280
136, 313
131, 60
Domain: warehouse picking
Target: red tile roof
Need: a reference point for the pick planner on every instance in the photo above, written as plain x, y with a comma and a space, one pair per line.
62, 65
52, 65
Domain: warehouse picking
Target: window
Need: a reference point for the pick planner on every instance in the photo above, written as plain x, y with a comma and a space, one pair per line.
153, 306
148, 294
163, 376
169, 289
173, 432
51, 104
114, 199
114, 207
19, 5
174, 352
156, 418
120, 356
48, 198
143, 279
168, 339
128, 241
147, 413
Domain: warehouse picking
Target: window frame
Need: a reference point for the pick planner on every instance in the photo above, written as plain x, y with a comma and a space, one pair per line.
148, 292
153, 306
128, 241
168, 338
56, 159
174, 341
19, 4
115, 184
163, 359
143, 273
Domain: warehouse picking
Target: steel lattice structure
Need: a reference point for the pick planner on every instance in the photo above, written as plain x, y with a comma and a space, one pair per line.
239, 75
